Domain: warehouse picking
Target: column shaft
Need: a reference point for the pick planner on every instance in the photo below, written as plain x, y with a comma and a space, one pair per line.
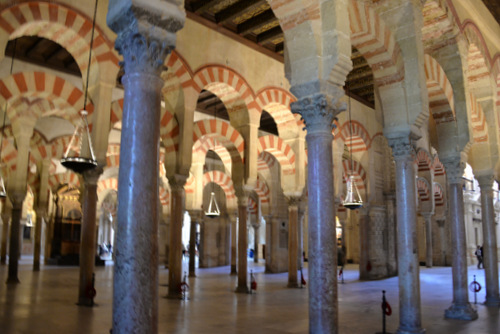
256, 244
175, 252
234, 244
192, 248
14, 244
135, 293
408, 266
428, 240
5, 231
293, 236
242, 286
38, 241
489, 242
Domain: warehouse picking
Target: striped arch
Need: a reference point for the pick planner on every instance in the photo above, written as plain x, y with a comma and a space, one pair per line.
357, 170
164, 196
438, 167
475, 37
265, 161
54, 150
478, 121
169, 132
224, 132
276, 101
438, 25
113, 160
424, 160
376, 43
56, 180
225, 182
66, 98
360, 138
107, 184
441, 103
63, 25
230, 87
113, 149
479, 74
204, 144
438, 195
252, 207
190, 184
423, 189
116, 112
263, 191
180, 68
280, 150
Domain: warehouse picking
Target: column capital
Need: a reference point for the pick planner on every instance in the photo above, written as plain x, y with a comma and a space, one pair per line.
177, 181
146, 32
485, 180
454, 169
91, 176
318, 111
293, 200
427, 215
401, 148
17, 198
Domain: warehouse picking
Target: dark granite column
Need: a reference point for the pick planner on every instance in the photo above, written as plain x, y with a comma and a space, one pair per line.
318, 111
489, 240
41, 212
17, 199
195, 217
145, 35
88, 236
234, 242
406, 216
6, 214
428, 239
177, 183
293, 242
242, 286
460, 307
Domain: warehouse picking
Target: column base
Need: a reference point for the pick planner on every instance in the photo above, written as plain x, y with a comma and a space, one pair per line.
3, 261
410, 331
13, 280
233, 271
192, 274
174, 296
492, 302
292, 285
242, 289
461, 312
86, 302
36, 267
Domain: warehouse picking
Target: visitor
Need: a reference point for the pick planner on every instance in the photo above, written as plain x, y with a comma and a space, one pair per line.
479, 255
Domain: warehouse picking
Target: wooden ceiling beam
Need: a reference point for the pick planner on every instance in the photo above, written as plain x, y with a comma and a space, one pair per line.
200, 6
269, 35
256, 22
236, 10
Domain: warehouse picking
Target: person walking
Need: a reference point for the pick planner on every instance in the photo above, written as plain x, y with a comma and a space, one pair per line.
479, 255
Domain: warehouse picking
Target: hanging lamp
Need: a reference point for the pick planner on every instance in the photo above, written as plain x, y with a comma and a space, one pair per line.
73, 158
352, 198
3, 193
213, 209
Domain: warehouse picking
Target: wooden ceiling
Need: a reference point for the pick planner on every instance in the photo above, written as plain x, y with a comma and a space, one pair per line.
494, 7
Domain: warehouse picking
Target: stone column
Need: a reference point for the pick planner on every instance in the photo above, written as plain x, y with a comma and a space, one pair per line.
88, 235
428, 238
41, 211
6, 214
195, 217
489, 240
441, 242
234, 242
392, 268
460, 307
17, 199
300, 224
256, 241
145, 35
318, 112
377, 250
406, 216
365, 265
293, 241
242, 286
177, 183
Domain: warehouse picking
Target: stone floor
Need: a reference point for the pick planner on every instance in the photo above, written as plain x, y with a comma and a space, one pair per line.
44, 302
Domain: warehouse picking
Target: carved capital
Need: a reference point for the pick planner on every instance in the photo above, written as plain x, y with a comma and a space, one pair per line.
485, 181
454, 169
401, 148
318, 111
91, 176
177, 182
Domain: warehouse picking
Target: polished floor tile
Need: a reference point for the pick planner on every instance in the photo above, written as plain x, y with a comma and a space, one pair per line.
44, 302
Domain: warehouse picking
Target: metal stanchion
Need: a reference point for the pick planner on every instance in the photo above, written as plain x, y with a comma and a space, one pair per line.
475, 287
386, 311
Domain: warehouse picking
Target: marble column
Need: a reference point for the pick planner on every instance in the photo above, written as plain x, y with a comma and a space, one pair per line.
195, 217
293, 242
41, 211
442, 242
38, 239
300, 225
145, 35
242, 286
392, 268
88, 235
234, 242
460, 307
428, 239
177, 183
6, 214
17, 199
318, 111
406, 217
256, 227
490, 258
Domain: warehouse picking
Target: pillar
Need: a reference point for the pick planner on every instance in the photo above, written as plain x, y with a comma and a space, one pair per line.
490, 258
460, 307
318, 111
17, 199
195, 216
256, 241
88, 236
428, 239
6, 214
392, 268
38, 239
293, 241
41, 211
406, 217
177, 183
145, 35
242, 286
234, 242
